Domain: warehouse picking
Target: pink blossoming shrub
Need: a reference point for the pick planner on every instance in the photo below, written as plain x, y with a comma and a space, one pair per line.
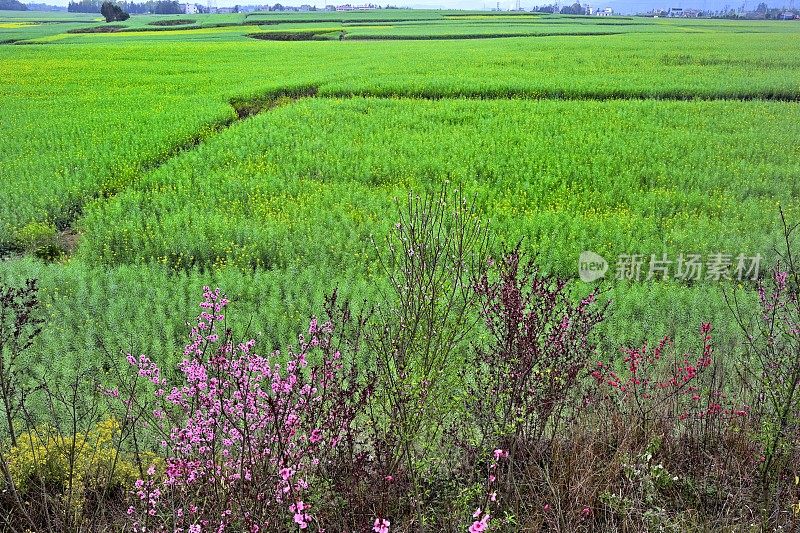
773, 340
244, 436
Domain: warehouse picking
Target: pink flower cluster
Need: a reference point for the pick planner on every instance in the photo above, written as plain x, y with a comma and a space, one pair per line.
482, 517
243, 434
381, 525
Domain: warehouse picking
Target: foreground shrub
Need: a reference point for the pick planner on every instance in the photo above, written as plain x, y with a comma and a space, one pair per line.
74, 466
657, 383
54, 482
245, 436
418, 344
530, 377
526, 389
20, 324
772, 336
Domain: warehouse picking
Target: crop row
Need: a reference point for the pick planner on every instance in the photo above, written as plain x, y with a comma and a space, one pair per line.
96, 313
307, 184
117, 112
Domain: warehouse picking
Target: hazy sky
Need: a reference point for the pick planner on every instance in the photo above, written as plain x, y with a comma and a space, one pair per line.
619, 6
622, 6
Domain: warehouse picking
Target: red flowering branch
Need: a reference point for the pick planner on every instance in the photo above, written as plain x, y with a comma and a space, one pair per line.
650, 381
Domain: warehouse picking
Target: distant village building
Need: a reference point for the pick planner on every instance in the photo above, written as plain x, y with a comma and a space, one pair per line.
190, 9
597, 12
788, 15
676, 12
350, 7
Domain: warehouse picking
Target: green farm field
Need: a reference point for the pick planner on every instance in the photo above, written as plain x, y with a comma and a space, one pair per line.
618, 352
131, 173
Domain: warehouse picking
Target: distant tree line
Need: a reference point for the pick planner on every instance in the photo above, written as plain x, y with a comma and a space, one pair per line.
13, 5
113, 12
574, 9
159, 7
761, 12
36, 6
84, 6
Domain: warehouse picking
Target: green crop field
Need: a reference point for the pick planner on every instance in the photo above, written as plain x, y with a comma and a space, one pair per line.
621, 135
269, 154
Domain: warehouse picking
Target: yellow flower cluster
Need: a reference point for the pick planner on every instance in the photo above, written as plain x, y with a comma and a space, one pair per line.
75, 465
